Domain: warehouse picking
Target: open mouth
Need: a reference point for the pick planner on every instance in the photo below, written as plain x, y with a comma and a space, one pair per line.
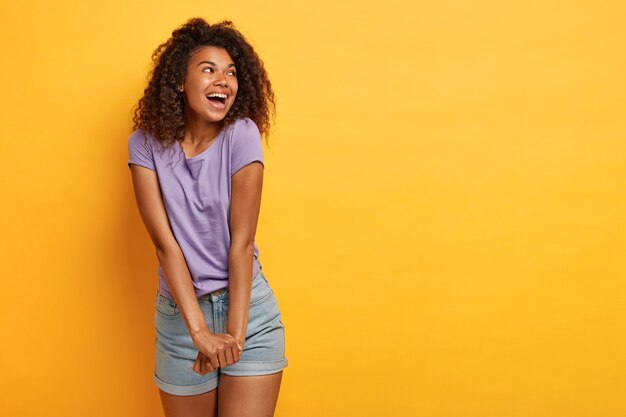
217, 100
214, 99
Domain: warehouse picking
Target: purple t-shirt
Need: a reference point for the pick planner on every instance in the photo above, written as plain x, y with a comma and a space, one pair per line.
196, 194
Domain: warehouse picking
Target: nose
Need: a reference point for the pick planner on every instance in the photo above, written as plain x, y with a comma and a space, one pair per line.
220, 79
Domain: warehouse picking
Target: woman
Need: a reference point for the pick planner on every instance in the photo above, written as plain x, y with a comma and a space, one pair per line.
196, 160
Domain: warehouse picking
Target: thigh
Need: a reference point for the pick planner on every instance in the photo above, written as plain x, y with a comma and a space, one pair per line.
248, 396
201, 405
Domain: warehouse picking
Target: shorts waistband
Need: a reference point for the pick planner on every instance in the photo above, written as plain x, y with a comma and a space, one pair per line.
222, 293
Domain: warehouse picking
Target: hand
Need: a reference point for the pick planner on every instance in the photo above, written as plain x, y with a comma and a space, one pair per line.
215, 351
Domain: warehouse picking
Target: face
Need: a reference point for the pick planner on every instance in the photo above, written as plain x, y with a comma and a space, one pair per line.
211, 70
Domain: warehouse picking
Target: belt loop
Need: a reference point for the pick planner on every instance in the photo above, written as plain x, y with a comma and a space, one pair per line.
216, 295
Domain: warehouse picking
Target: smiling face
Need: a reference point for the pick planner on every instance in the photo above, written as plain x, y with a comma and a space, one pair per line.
210, 86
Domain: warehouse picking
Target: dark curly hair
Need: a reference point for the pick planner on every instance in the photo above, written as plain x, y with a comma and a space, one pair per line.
161, 110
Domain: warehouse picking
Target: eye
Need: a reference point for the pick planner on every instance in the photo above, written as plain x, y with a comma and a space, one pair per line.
229, 72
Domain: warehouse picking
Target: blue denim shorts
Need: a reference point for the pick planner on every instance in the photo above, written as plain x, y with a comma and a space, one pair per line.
263, 351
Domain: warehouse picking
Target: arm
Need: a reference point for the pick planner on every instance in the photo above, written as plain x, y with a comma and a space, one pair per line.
213, 350
245, 205
154, 216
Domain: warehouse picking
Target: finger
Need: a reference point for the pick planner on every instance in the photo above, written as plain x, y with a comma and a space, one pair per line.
204, 365
196, 365
200, 363
209, 366
222, 358
228, 354
213, 361
235, 352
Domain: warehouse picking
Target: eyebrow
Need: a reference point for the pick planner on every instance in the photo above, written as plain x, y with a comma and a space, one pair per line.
212, 63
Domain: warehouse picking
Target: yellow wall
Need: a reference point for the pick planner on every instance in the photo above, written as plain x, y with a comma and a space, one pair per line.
442, 220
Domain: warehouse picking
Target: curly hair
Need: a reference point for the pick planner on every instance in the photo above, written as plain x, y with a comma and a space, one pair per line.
161, 110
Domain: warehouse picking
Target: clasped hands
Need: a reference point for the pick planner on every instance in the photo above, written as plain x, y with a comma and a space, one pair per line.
216, 351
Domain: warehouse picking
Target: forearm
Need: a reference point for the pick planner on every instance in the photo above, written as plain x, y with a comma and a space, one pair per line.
239, 288
181, 286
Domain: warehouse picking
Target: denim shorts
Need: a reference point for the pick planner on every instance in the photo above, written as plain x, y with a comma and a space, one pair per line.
263, 351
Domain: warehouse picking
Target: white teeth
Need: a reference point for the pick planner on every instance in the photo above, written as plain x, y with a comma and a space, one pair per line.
220, 95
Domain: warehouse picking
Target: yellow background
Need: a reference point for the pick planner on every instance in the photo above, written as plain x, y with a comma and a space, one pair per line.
443, 217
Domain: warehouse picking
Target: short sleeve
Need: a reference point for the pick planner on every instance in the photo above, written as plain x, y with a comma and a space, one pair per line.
246, 145
140, 150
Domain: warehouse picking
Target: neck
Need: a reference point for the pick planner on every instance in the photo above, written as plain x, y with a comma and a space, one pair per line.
198, 131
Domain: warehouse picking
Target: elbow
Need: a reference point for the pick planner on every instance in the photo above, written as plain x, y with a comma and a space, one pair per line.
242, 245
165, 249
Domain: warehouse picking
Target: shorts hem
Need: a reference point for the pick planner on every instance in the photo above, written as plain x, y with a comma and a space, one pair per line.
186, 389
251, 368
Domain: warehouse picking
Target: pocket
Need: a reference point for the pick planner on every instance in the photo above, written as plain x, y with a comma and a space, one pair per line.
167, 308
261, 290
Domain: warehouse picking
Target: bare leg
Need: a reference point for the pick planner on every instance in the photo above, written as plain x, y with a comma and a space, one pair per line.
248, 396
201, 405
